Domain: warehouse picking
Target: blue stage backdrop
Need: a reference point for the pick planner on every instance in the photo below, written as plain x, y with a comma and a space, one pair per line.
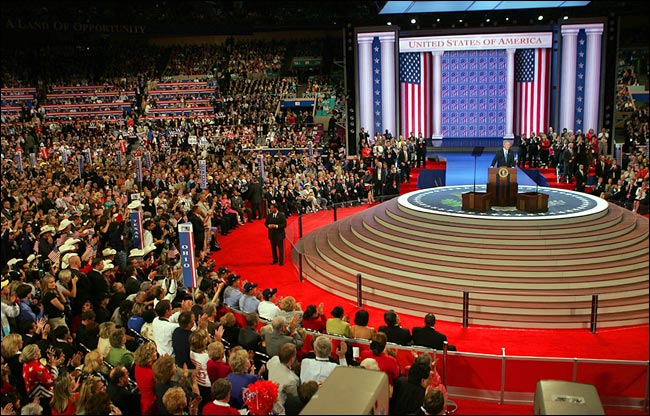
474, 93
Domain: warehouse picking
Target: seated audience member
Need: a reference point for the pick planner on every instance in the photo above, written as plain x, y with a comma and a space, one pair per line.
232, 294
427, 336
217, 368
230, 329
243, 374
267, 309
360, 329
338, 324
249, 338
248, 303
387, 363
282, 334
319, 368
280, 372
314, 319
434, 403
408, 392
289, 307
221, 396
394, 332
306, 390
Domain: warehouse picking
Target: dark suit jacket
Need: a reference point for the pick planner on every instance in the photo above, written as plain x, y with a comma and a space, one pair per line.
396, 334
500, 159
280, 221
428, 337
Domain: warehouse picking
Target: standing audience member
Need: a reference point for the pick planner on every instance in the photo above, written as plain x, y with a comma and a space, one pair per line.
281, 372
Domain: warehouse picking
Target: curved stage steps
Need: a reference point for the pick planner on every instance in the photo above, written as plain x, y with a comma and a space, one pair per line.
532, 272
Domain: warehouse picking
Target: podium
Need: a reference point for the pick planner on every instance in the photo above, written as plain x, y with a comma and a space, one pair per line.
532, 202
502, 186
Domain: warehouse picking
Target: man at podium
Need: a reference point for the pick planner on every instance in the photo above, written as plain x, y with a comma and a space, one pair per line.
504, 157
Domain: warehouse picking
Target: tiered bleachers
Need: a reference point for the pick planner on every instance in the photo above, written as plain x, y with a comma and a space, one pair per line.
102, 102
13, 97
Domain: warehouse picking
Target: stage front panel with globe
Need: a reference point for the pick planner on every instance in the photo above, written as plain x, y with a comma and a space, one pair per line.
420, 252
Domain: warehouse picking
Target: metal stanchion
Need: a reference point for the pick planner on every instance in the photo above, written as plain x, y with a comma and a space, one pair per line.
300, 225
452, 406
335, 212
300, 267
503, 375
465, 309
359, 291
594, 313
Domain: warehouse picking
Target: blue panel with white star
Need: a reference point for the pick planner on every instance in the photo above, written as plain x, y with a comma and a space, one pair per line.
376, 84
581, 63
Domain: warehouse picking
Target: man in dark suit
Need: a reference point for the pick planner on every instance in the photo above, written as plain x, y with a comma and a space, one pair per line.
403, 158
394, 332
276, 223
504, 157
427, 336
379, 176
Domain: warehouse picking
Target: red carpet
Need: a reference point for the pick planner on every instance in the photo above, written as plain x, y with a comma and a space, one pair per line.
247, 252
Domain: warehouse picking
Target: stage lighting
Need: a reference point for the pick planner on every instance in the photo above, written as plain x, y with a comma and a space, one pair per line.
487, 20
540, 17
389, 23
565, 18
413, 21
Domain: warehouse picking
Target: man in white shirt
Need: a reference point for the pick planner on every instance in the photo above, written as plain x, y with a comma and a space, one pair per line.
319, 368
163, 328
280, 372
267, 309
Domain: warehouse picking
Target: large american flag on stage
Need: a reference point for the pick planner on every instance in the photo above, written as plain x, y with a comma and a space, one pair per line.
415, 81
532, 81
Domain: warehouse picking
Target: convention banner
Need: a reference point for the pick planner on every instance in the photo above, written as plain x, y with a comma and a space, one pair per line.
80, 163
87, 156
136, 227
19, 161
188, 264
32, 160
122, 146
138, 169
118, 158
64, 155
147, 160
203, 174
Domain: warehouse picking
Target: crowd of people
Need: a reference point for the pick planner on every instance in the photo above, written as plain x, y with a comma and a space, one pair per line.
92, 324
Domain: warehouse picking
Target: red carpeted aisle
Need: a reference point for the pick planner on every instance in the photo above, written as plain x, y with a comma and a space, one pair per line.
247, 252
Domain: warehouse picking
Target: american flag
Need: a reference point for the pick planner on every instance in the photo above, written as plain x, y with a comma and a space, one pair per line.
415, 81
54, 256
581, 61
532, 69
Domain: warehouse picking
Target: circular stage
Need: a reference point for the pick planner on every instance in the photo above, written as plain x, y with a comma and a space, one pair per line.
421, 252
447, 200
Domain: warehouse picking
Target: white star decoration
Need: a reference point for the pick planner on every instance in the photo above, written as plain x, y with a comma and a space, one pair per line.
581, 76
377, 92
376, 49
